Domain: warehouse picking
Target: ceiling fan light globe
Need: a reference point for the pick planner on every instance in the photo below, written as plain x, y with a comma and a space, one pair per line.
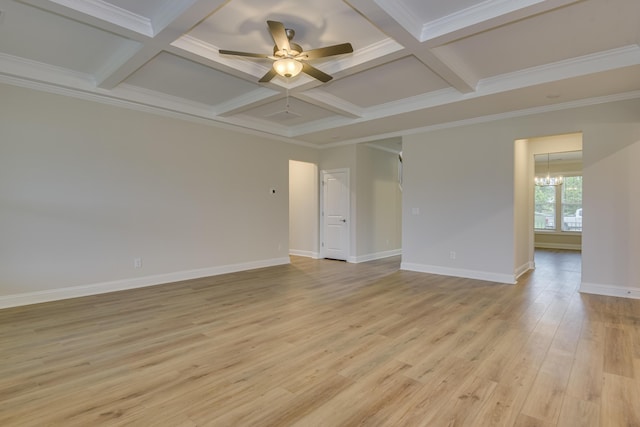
287, 67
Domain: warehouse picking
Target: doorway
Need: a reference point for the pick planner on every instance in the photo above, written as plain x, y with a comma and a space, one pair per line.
547, 214
304, 208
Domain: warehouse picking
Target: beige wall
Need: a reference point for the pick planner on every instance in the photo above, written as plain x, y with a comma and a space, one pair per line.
85, 188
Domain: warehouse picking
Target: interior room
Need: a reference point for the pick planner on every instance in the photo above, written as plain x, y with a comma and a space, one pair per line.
319, 213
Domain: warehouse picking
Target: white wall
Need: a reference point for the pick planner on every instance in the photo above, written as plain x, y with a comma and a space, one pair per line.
458, 197
85, 188
303, 209
611, 230
462, 180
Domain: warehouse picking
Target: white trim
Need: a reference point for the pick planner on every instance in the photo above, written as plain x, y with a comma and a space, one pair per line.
458, 272
566, 246
375, 256
132, 283
608, 290
307, 254
529, 265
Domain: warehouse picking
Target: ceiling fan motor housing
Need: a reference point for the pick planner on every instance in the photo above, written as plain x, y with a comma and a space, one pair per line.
296, 50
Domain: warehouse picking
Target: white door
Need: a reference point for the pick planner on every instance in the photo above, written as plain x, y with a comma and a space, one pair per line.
335, 214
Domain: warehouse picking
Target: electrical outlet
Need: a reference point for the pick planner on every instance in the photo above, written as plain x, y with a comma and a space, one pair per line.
452, 254
137, 263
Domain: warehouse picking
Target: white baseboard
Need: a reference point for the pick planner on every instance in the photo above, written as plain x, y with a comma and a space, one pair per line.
530, 265
565, 246
375, 256
307, 254
457, 272
611, 291
138, 282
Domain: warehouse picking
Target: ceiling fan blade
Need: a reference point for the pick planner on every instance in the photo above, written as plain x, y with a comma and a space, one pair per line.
267, 77
321, 52
279, 35
315, 73
233, 52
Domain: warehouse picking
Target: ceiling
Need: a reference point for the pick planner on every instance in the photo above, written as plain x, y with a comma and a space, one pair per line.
416, 64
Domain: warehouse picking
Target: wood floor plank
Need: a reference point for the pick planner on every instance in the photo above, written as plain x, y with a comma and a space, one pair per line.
618, 359
321, 342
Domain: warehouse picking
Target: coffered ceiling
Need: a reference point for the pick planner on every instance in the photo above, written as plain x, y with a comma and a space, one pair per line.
416, 64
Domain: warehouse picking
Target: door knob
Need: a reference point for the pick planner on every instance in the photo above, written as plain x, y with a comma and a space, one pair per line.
343, 220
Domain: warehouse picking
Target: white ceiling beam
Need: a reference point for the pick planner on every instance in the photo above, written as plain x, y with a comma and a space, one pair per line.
459, 79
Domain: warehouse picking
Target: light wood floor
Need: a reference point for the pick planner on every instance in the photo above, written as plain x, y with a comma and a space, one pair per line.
323, 342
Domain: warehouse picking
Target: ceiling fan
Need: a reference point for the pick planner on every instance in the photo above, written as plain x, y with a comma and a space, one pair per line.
289, 58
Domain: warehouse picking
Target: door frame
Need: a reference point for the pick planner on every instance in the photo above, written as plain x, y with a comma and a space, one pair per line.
323, 174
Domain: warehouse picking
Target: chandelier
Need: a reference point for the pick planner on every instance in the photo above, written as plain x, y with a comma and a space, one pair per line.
548, 180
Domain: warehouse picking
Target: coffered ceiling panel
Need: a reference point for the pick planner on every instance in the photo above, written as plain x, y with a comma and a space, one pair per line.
414, 63
392, 81
585, 28
241, 25
175, 76
288, 112
33, 34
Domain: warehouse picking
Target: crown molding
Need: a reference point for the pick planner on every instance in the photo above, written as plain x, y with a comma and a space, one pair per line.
110, 13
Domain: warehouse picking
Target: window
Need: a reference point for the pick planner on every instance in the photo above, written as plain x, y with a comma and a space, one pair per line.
572, 203
559, 208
